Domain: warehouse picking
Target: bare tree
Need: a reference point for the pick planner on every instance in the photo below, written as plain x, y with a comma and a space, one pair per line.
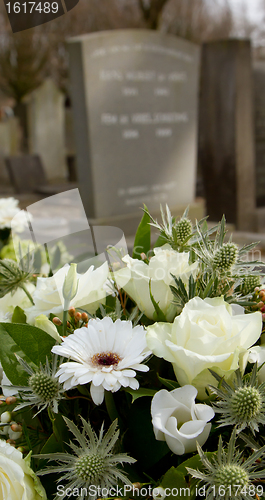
28, 57
197, 20
23, 59
151, 11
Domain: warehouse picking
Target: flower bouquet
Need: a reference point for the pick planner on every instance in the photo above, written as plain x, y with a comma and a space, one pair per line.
142, 379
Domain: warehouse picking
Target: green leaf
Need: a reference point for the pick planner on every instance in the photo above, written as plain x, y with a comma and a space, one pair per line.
140, 393
194, 463
159, 313
161, 240
19, 316
139, 439
52, 446
60, 429
220, 233
169, 384
29, 342
192, 287
56, 258
174, 480
142, 242
37, 260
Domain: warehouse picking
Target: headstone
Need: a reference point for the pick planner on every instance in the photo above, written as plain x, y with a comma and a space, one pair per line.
70, 142
26, 173
134, 95
259, 93
226, 125
46, 128
9, 142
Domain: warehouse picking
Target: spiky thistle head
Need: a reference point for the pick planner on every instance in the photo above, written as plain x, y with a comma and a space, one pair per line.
91, 460
227, 475
183, 229
225, 257
249, 284
43, 389
242, 404
13, 276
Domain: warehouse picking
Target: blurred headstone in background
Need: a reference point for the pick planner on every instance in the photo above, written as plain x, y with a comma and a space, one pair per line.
135, 99
70, 141
46, 122
9, 143
226, 124
259, 93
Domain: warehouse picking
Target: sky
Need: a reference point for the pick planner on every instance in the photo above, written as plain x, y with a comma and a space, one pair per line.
252, 7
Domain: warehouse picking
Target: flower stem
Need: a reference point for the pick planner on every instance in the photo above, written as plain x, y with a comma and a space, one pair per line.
111, 407
23, 287
52, 419
65, 313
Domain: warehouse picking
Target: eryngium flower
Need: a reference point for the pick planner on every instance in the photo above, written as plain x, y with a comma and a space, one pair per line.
90, 463
225, 257
241, 404
228, 476
106, 353
43, 389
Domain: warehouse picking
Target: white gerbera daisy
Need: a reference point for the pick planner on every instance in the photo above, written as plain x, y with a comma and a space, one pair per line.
105, 354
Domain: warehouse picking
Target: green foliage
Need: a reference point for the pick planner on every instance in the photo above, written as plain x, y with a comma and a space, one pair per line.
140, 393
13, 276
169, 384
175, 482
19, 316
142, 242
159, 315
139, 438
28, 342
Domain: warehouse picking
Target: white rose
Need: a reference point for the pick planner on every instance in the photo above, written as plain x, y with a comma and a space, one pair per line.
179, 421
205, 335
9, 302
135, 279
48, 296
257, 354
17, 479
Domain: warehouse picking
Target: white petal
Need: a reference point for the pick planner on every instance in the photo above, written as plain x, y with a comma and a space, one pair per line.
204, 412
98, 378
133, 383
97, 394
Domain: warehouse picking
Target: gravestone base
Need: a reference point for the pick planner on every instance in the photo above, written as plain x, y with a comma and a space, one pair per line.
128, 223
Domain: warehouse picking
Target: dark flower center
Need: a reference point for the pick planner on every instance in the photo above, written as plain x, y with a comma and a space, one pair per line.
106, 359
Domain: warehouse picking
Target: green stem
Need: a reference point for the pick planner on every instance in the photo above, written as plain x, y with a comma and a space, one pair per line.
111, 407
65, 313
27, 293
52, 419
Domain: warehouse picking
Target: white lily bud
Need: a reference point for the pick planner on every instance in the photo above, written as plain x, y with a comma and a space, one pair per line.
70, 286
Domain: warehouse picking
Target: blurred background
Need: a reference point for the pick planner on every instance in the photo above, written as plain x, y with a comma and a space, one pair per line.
34, 67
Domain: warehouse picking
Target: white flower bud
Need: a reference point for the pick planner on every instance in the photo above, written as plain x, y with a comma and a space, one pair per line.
158, 493
5, 417
70, 285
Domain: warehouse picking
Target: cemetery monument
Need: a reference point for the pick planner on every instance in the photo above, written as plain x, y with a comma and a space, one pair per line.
134, 95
